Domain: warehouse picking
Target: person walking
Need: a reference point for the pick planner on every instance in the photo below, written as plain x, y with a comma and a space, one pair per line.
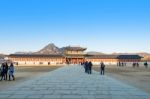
11, 72
102, 66
90, 67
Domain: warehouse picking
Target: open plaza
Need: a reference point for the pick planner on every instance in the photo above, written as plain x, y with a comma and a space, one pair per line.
70, 82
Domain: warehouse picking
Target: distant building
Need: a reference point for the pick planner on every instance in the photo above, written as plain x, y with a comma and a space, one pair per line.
113, 59
74, 55
70, 55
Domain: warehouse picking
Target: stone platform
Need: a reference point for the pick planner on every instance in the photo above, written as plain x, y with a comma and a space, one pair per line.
70, 82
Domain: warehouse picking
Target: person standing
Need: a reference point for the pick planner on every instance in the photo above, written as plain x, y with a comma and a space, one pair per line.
3, 71
86, 67
11, 72
6, 71
146, 64
90, 67
102, 66
0, 72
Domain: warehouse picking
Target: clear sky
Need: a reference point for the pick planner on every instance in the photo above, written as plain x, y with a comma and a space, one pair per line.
100, 25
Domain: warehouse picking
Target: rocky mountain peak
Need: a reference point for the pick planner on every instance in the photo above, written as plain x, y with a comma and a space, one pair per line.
49, 49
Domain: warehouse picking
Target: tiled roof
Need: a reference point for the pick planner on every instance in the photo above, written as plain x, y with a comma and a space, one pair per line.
115, 56
102, 56
87, 56
129, 57
37, 55
75, 48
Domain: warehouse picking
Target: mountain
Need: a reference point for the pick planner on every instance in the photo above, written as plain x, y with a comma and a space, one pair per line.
23, 52
95, 53
122, 53
49, 49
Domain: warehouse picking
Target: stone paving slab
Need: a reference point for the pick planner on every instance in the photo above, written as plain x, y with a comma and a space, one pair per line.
70, 82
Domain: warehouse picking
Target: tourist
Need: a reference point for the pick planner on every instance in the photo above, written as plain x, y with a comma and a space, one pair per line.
119, 64
146, 64
11, 71
2, 71
6, 71
48, 63
90, 67
86, 67
102, 68
133, 65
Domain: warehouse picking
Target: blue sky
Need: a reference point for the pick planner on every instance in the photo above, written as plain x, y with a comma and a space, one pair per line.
100, 25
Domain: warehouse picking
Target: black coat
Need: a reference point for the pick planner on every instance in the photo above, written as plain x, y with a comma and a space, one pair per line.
90, 65
102, 66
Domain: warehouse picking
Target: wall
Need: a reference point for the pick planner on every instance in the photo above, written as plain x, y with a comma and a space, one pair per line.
37, 61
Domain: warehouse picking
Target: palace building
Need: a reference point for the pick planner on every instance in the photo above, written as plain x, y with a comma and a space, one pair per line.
70, 55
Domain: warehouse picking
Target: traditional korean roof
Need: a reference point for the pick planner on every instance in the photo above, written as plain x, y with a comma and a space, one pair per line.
36, 55
129, 57
114, 56
102, 56
75, 48
75, 55
79, 56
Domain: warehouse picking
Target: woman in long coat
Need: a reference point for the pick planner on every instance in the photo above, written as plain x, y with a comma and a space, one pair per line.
11, 72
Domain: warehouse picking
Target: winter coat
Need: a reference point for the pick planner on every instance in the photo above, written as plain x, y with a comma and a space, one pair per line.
11, 70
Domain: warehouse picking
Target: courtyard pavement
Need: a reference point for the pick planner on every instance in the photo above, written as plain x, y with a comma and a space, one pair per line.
70, 82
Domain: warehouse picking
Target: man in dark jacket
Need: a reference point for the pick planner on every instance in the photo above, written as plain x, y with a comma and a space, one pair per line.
3, 71
6, 71
86, 66
90, 67
146, 64
102, 66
